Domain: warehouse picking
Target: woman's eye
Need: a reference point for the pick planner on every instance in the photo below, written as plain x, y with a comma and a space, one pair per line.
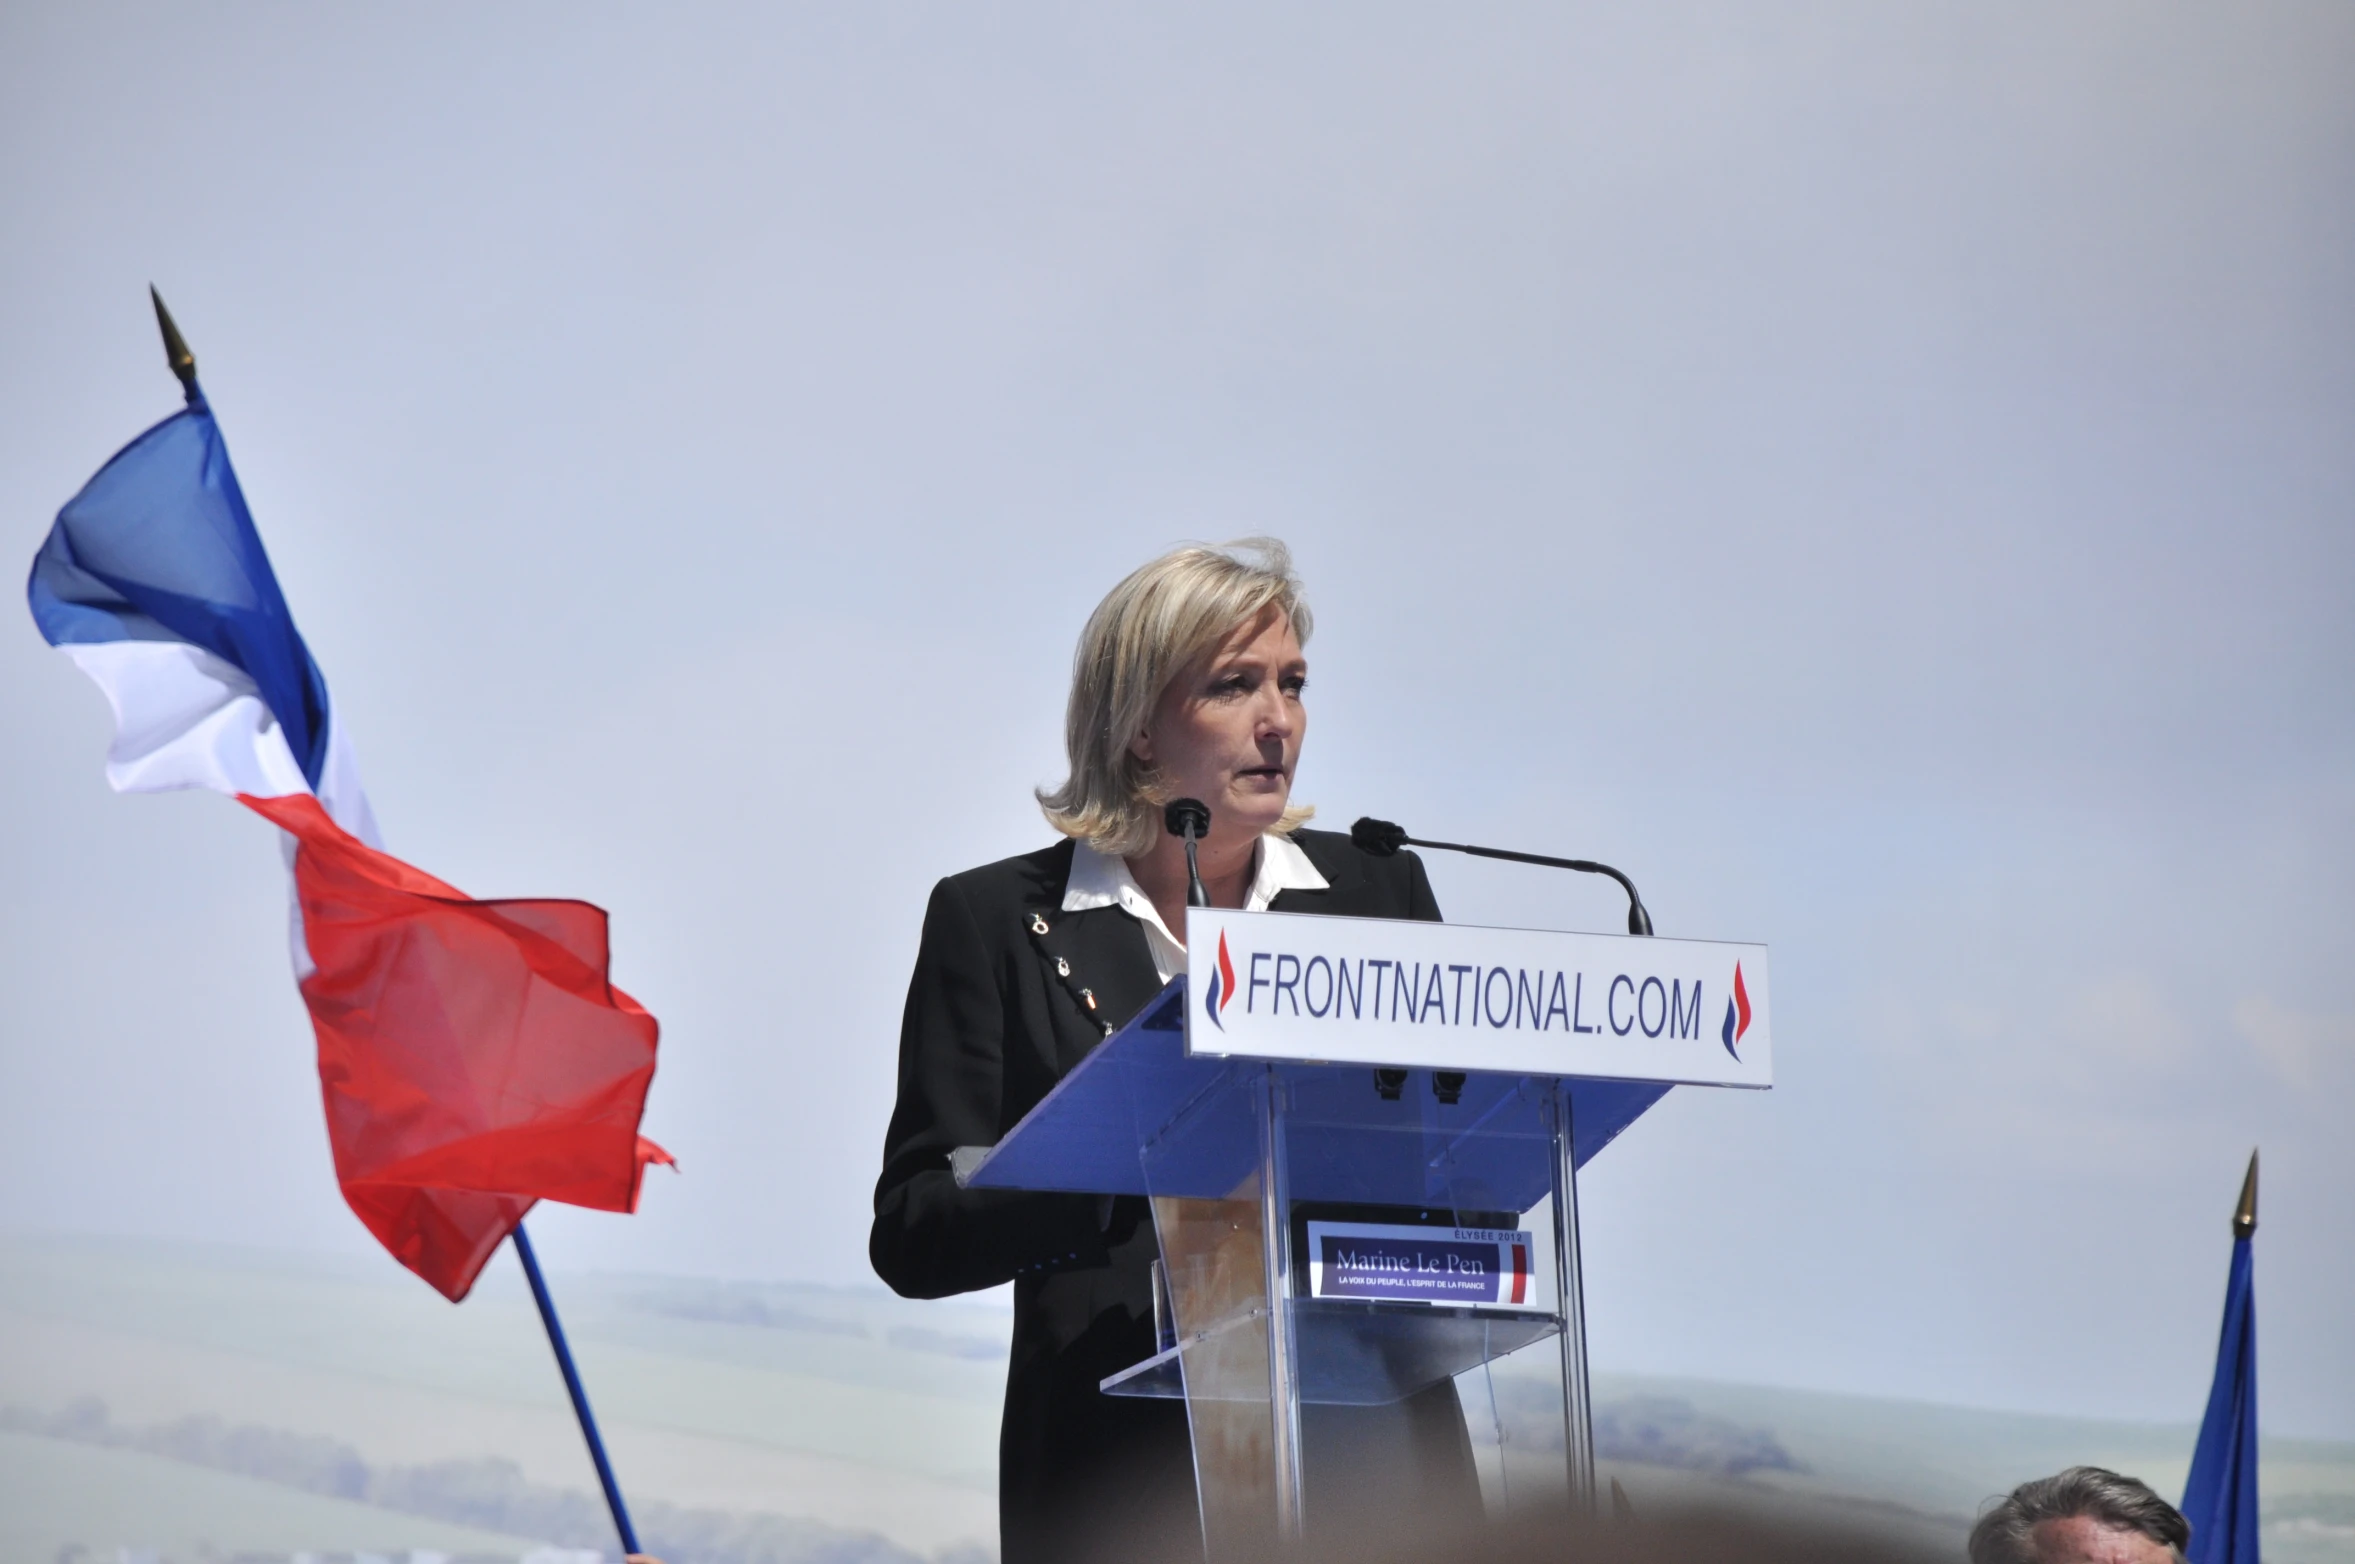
1293, 686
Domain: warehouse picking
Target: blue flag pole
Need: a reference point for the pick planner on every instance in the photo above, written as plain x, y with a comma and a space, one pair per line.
580, 1397
2220, 1498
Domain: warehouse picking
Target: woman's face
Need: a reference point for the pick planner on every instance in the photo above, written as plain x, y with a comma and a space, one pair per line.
1227, 730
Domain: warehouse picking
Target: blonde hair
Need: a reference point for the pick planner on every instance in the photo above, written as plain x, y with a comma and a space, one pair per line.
1150, 627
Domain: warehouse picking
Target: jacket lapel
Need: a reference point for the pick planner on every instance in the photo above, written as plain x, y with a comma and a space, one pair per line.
1098, 960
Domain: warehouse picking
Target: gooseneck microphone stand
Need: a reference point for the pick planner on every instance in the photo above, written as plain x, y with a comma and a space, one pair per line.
1383, 840
1190, 818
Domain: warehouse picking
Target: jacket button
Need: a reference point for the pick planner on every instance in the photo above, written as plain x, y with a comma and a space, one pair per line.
1089, 995
1062, 967
1038, 925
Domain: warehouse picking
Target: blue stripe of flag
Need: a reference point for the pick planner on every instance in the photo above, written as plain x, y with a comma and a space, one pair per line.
159, 546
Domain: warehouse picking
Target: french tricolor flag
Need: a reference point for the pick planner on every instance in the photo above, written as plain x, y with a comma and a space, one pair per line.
473, 1055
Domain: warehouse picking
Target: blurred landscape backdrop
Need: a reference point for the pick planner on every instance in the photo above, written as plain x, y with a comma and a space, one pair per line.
202, 1403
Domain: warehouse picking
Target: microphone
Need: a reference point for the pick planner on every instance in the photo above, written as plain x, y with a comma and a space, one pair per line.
1190, 818
1383, 840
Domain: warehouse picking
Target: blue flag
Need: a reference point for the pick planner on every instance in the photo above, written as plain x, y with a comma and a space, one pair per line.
2220, 1499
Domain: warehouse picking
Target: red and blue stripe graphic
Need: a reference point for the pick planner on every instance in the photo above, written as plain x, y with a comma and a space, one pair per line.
1737, 1013
1219, 992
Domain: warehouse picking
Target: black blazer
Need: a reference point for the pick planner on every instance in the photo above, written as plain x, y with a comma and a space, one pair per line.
1009, 993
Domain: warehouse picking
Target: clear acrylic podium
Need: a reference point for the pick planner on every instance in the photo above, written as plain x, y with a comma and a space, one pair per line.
1232, 1152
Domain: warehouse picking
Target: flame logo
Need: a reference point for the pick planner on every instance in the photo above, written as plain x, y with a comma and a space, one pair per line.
1737, 1014
1219, 992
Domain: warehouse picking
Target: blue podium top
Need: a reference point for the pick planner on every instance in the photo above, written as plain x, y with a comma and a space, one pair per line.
1139, 1116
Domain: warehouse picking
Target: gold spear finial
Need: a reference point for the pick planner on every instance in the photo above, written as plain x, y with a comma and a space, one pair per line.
176, 351
2244, 1215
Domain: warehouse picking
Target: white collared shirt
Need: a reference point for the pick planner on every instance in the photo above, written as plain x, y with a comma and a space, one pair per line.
1101, 881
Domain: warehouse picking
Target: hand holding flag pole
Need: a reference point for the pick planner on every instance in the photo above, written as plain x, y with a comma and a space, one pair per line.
474, 1056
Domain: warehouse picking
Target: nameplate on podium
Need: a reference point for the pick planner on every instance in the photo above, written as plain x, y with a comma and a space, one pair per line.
1396, 1263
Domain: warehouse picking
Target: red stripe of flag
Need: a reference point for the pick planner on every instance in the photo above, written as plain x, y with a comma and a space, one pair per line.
474, 1055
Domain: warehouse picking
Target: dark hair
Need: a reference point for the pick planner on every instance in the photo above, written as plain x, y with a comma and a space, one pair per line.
2006, 1533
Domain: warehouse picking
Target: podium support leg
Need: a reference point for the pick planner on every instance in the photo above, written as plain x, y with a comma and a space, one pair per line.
1283, 1342
1570, 1305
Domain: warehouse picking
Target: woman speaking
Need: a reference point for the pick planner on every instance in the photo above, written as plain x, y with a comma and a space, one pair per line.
1187, 683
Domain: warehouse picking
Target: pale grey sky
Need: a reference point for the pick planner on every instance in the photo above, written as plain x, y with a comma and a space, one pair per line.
1880, 474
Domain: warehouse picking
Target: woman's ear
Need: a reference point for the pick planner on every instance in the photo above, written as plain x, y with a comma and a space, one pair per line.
1142, 747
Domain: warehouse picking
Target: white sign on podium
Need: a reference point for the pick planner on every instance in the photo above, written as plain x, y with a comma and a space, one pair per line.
1454, 996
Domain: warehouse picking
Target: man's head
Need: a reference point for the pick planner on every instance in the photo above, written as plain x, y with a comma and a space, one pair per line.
2085, 1515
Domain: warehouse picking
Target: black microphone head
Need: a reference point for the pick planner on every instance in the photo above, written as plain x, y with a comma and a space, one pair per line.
1185, 813
1378, 837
